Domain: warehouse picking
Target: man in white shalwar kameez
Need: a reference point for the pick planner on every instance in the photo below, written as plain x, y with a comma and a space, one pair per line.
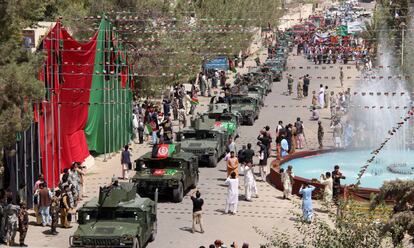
249, 182
232, 193
321, 96
327, 181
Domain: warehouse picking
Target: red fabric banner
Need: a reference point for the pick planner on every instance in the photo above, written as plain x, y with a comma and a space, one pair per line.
68, 76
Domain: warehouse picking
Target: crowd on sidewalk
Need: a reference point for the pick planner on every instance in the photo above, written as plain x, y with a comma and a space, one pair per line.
50, 204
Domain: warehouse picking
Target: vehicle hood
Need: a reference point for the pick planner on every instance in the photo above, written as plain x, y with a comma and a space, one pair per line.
198, 144
158, 174
107, 228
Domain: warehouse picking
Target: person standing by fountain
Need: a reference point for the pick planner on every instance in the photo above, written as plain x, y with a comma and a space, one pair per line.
320, 134
336, 177
326, 180
300, 135
287, 180
307, 209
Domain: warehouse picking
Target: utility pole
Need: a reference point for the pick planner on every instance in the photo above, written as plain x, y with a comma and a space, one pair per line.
402, 26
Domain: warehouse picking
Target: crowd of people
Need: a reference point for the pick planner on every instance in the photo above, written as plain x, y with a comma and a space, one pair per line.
49, 205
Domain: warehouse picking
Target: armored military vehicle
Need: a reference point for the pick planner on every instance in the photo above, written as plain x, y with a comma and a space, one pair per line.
205, 138
220, 115
167, 168
258, 92
119, 217
247, 106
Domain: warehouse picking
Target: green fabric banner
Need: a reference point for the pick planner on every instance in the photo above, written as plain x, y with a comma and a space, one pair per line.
109, 125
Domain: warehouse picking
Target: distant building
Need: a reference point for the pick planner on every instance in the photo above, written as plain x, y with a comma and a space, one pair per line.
33, 36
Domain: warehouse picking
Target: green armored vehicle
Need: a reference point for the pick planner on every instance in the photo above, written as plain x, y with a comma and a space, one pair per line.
206, 139
119, 217
220, 116
247, 106
167, 168
258, 92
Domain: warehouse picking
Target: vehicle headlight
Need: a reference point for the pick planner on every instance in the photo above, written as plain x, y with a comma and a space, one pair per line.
87, 241
127, 238
115, 241
172, 183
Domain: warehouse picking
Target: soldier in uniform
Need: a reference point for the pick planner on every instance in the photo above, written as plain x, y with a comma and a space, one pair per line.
54, 211
64, 207
11, 211
290, 84
320, 134
23, 223
300, 88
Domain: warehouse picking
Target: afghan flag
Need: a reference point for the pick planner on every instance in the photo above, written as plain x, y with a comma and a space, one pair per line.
194, 101
165, 150
229, 126
149, 128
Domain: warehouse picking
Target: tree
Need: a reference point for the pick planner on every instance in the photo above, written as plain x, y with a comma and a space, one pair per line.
401, 192
19, 87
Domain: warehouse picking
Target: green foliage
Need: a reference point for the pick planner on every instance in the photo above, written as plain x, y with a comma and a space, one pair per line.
402, 219
351, 228
18, 67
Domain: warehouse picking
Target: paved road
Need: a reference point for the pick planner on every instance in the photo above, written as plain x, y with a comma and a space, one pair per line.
269, 210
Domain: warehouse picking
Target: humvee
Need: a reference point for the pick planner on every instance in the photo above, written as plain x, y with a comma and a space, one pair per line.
119, 217
167, 168
247, 106
207, 139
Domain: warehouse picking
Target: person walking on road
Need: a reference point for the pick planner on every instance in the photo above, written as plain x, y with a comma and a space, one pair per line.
198, 203
125, 162
232, 164
11, 213
300, 135
54, 212
321, 96
341, 76
320, 134
287, 180
262, 160
299, 89
44, 203
232, 200
307, 209
23, 223
290, 84
306, 82
64, 207
326, 97
249, 182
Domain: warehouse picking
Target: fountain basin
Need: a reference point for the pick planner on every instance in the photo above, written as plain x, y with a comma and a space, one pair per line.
308, 165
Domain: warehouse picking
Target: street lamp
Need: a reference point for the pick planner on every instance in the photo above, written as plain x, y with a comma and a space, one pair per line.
402, 26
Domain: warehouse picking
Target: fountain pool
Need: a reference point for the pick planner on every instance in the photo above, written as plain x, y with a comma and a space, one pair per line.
387, 166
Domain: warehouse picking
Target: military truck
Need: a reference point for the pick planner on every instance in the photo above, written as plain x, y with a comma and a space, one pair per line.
247, 106
219, 114
206, 139
258, 92
119, 217
168, 168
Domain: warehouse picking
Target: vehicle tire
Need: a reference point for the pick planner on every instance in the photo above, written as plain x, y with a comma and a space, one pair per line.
153, 233
212, 161
250, 121
135, 243
178, 193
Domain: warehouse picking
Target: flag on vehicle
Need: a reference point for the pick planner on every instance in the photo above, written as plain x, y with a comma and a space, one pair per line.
165, 150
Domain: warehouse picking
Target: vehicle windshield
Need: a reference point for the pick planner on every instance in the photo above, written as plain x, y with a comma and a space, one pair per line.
241, 101
162, 163
107, 214
200, 135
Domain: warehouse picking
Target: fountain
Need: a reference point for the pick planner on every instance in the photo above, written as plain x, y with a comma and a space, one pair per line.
376, 137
